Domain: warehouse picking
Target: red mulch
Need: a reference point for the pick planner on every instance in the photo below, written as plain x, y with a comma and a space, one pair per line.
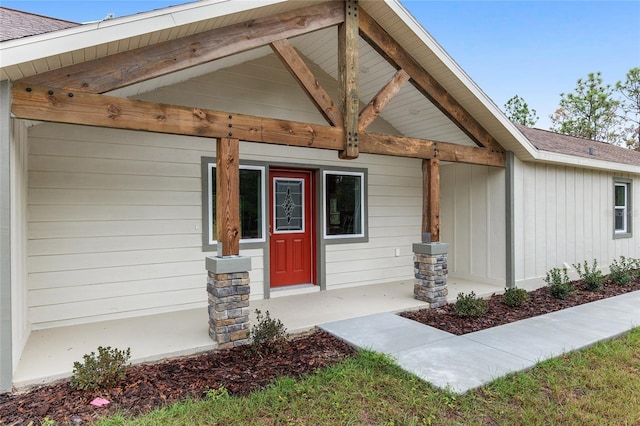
150, 386
540, 302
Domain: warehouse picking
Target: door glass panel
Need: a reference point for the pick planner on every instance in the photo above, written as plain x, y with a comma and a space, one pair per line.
289, 205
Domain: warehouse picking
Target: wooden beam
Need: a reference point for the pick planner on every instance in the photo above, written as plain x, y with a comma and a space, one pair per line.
126, 68
303, 75
348, 68
228, 195
400, 146
431, 198
381, 99
397, 56
47, 104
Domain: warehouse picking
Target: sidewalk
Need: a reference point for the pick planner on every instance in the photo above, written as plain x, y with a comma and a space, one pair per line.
461, 363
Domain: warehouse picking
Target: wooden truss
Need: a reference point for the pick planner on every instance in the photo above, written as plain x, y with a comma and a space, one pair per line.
75, 94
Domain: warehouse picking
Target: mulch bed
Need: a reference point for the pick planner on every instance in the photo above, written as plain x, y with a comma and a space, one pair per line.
151, 386
540, 302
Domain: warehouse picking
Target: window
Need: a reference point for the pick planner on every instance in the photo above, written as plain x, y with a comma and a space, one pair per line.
344, 204
622, 208
252, 201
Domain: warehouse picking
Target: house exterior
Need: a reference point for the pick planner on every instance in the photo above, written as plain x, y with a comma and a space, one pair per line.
319, 139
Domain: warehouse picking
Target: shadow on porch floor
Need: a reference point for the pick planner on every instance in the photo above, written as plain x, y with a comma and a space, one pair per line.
49, 354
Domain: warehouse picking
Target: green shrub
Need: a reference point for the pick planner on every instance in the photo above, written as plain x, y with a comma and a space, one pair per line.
515, 296
218, 394
625, 271
101, 371
268, 335
468, 305
592, 277
558, 282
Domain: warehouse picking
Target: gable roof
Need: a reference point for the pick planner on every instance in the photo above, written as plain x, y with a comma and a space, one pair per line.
17, 24
27, 56
546, 140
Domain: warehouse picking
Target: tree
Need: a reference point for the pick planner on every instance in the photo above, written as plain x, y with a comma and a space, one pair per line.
588, 112
630, 106
518, 111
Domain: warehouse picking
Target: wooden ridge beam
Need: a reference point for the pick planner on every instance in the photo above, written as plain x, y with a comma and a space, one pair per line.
54, 105
397, 56
122, 69
381, 99
348, 69
305, 78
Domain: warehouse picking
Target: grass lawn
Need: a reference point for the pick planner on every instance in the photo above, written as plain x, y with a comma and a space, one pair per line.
596, 386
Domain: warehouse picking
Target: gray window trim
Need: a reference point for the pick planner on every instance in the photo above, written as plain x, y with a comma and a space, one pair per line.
629, 232
365, 206
207, 246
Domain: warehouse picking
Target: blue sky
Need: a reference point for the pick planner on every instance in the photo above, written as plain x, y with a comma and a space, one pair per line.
536, 49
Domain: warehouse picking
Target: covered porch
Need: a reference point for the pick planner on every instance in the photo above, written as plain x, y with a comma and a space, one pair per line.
50, 353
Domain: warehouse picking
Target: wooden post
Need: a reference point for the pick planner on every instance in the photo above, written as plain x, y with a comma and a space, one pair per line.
348, 68
228, 195
431, 198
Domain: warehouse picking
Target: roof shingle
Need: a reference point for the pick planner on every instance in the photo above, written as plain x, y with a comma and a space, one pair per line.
546, 140
17, 24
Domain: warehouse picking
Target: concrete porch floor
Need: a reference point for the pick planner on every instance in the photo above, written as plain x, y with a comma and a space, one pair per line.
49, 354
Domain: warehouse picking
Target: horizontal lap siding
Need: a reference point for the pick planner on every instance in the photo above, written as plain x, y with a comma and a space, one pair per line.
115, 216
395, 218
106, 245
564, 215
114, 224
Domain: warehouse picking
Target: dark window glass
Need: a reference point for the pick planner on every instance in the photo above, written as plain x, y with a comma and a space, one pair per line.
343, 204
250, 204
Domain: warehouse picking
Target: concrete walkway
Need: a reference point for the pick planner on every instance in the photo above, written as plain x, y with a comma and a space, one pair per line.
461, 363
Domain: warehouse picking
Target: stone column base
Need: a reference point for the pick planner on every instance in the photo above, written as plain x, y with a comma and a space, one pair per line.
430, 270
228, 290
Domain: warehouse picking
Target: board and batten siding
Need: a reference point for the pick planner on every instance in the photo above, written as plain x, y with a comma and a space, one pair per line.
564, 215
19, 320
472, 221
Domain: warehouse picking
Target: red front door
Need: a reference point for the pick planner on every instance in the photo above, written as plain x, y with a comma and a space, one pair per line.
291, 227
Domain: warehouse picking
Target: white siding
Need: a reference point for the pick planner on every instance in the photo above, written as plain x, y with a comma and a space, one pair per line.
19, 320
565, 215
472, 221
114, 224
115, 216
